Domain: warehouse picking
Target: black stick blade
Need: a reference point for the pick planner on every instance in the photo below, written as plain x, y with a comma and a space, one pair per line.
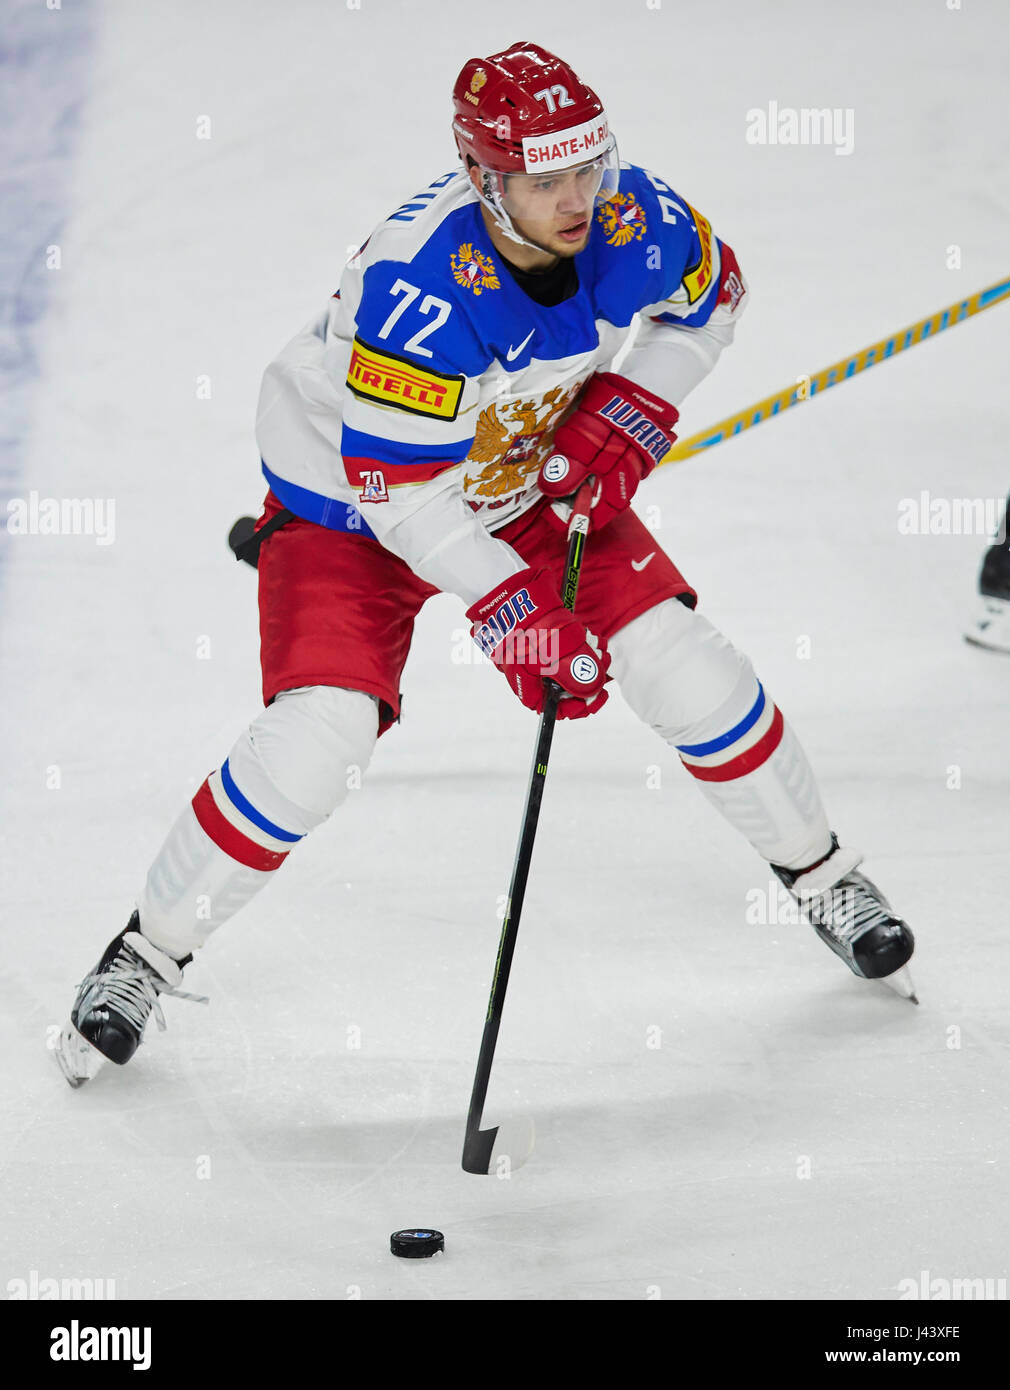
498, 1152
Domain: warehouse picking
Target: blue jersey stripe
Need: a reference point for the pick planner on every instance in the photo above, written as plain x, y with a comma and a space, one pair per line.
313, 506
357, 444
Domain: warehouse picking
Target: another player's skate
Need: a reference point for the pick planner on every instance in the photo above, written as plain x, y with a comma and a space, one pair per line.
990, 625
850, 914
115, 1001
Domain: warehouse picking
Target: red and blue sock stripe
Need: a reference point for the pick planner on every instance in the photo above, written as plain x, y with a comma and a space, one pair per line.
237, 827
740, 750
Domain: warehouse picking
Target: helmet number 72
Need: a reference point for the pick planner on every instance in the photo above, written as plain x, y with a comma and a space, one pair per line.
548, 94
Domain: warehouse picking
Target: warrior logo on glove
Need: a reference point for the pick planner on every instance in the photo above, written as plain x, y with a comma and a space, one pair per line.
531, 637
619, 432
556, 469
584, 670
499, 624
638, 427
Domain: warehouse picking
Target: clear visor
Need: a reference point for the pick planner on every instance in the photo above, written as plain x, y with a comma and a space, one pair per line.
554, 193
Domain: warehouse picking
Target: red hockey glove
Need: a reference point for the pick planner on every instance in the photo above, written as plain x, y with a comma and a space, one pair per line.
531, 637
619, 431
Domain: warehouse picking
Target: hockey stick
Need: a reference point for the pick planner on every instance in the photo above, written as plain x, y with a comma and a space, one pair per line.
840, 371
509, 1144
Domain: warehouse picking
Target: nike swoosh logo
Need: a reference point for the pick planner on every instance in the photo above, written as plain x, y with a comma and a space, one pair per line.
514, 352
641, 564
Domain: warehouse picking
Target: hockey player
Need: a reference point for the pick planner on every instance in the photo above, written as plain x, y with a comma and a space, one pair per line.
421, 435
990, 626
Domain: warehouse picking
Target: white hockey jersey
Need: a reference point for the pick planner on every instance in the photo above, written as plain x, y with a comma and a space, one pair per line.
420, 404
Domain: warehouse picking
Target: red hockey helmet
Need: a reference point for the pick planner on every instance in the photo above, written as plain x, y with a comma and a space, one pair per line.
526, 112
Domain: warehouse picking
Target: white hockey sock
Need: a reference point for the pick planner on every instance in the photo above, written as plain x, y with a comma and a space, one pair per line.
287, 772
686, 681
194, 885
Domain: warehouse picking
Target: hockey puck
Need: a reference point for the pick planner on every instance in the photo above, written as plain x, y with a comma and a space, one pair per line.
416, 1245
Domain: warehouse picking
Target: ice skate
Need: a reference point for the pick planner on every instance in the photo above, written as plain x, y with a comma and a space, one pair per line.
990, 624
851, 915
114, 1002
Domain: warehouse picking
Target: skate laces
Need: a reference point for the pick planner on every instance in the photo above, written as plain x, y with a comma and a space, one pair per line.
131, 987
848, 909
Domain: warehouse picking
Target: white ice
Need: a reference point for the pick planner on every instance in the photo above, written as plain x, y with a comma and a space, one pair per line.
796, 1133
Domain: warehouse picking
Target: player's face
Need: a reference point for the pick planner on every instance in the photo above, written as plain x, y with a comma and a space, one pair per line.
554, 210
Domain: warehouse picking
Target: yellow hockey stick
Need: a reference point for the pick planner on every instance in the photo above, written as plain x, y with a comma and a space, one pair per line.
840, 371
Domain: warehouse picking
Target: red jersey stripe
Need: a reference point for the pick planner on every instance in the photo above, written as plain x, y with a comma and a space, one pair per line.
394, 473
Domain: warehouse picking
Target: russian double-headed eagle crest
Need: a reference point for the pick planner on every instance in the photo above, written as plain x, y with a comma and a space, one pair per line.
473, 270
513, 440
476, 82
622, 218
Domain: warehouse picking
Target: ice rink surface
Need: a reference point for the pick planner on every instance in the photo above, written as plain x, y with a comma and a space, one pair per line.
723, 1111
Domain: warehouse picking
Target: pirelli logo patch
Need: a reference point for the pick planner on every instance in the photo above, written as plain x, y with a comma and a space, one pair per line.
697, 280
389, 380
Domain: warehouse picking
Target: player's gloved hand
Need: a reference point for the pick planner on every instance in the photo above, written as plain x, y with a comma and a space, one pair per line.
530, 635
619, 431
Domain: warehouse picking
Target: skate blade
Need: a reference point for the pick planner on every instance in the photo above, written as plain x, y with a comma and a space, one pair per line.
990, 628
901, 982
988, 644
78, 1060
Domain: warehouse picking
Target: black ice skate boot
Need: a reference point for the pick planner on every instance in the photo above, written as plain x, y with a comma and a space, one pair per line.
115, 1001
990, 626
853, 917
